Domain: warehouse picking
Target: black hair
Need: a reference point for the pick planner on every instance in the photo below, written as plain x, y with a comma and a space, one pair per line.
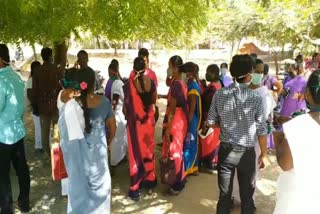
241, 65
214, 69
115, 62
266, 69
4, 54
176, 61
224, 64
188, 67
197, 68
114, 67
46, 54
139, 64
89, 78
258, 61
315, 55
254, 55
299, 58
314, 86
143, 52
82, 52
34, 65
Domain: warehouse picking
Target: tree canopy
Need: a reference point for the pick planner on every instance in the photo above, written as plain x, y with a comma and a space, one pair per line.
175, 23
50, 21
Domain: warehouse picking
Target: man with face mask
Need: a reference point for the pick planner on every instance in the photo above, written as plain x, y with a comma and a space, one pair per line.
269, 104
239, 112
12, 132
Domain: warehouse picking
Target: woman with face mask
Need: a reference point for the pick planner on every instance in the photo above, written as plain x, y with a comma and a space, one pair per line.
175, 124
268, 105
293, 92
224, 77
119, 145
208, 152
270, 81
297, 150
190, 148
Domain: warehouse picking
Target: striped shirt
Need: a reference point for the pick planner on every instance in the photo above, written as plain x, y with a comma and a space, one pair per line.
239, 111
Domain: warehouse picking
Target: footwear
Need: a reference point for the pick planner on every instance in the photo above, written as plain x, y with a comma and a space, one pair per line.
134, 195
23, 206
39, 151
195, 173
173, 192
210, 169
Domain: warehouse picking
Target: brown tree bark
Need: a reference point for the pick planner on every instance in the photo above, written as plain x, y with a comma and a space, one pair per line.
275, 57
34, 52
60, 53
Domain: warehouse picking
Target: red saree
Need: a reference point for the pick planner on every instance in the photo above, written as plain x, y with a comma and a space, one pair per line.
178, 131
209, 145
141, 142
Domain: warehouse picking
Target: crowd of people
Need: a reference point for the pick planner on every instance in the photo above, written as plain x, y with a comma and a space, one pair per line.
226, 122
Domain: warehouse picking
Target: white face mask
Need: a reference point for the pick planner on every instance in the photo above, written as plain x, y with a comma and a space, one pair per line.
223, 71
246, 83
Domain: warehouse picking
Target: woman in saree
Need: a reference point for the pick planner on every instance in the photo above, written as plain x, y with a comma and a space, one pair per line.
175, 123
83, 140
271, 82
293, 93
113, 67
190, 148
224, 75
119, 144
139, 108
209, 152
297, 151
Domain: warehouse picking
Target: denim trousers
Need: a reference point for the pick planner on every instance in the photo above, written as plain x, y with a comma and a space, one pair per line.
230, 158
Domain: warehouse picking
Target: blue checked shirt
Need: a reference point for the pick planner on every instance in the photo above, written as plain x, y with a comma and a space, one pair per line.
239, 111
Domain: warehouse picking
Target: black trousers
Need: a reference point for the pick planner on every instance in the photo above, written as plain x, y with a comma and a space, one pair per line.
14, 154
243, 159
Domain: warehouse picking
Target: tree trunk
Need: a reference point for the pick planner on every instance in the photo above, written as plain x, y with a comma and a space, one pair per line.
275, 56
238, 46
115, 50
282, 52
232, 48
98, 42
34, 52
60, 54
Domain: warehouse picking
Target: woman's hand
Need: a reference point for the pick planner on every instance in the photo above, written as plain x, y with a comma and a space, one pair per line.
262, 161
167, 136
68, 94
156, 113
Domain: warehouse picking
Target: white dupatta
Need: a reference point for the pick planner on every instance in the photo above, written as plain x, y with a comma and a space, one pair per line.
73, 116
298, 189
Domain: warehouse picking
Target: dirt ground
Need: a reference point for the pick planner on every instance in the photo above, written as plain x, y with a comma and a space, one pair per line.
199, 196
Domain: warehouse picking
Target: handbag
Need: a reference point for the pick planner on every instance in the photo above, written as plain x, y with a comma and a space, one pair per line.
168, 170
209, 141
59, 171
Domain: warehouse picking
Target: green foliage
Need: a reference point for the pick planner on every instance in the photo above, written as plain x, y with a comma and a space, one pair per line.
174, 23
273, 22
170, 22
